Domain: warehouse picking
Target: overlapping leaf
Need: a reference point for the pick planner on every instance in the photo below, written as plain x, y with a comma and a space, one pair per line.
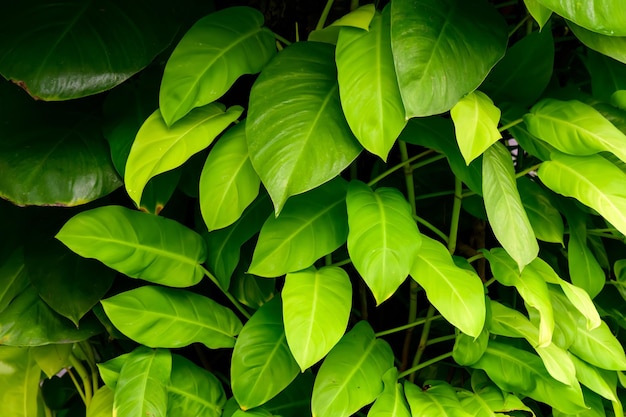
391, 402
137, 244
359, 18
159, 148
217, 50
443, 50
383, 239
544, 218
297, 135
20, 382
368, 86
538, 11
172, 318
600, 16
607, 75
438, 399
612, 46
52, 358
101, 404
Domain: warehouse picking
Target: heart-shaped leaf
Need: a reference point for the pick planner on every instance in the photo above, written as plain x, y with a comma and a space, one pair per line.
158, 148
217, 50
351, 375
456, 292
137, 244
262, 364
316, 308
383, 239
601, 16
228, 183
172, 318
310, 226
391, 401
297, 135
82, 48
443, 49
368, 86
439, 398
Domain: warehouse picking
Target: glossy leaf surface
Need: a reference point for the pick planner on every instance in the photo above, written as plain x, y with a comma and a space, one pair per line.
351, 375
101, 403
262, 364
438, 399
142, 385
316, 308
159, 148
310, 226
391, 402
476, 124
383, 239
544, 218
505, 211
359, 18
70, 39
443, 50
228, 183
457, 293
538, 11
297, 135
600, 16
172, 318
137, 244
368, 87
217, 50
19, 380
612, 46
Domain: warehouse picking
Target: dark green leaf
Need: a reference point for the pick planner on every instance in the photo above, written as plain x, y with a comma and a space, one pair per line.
612, 46
13, 278
607, 75
295, 400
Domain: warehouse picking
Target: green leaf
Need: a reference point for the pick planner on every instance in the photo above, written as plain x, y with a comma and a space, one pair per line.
193, 391
262, 364
13, 278
359, 18
159, 148
297, 135
250, 290
619, 269
142, 386
228, 183
531, 144
139, 245
443, 50
19, 379
487, 398
295, 400
383, 239
351, 375
217, 50
52, 358
391, 401
505, 211
544, 218
101, 404
476, 124
110, 370
316, 308
310, 226
224, 245
539, 12
82, 48
600, 381
524, 72
592, 180
467, 350
457, 293
438, 398
368, 87
575, 128
172, 318
600, 16
607, 75
612, 46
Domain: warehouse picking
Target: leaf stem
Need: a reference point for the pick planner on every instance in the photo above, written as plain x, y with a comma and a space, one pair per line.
527, 170
399, 166
87, 350
476, 257
519, 25
77, 385
441, 339
281, 39
456, 213
428, 161
232, 299
406, 326
432, 228
423, 340
324, 16
84, 376
434, 195
510, 125
424, 364
342, 263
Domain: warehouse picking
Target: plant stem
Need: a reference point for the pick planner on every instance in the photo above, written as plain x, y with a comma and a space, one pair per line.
408, 176
77, 385
428, 161
84, 376
342, 263
324, 16
354, 4
85, 346
456, 213
399, 166
510, 125
527, 170
519, 25
475, 257
406, 326
232, 299
431, 228
281, 39
423, 340
441, 339
434, 195
424, 365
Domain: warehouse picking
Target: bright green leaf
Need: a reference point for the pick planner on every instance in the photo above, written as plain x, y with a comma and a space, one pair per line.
539, 12
351, 375
600, 381
599, 347
391, 402
142, 386
297, 135
159, 148
101, 404
310, 226
383, 239
217, 50
443, 50
476, 124
262, 364
505, 211
137, 244
110, 370
172, 318
368, 86
19, 379
316, 308
359, 18
457, 293
439, 399
544, 218
52, 358
228, 183
467, 350
601, 16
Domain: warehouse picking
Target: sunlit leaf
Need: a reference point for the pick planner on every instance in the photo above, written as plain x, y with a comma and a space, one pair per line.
159, 148
351, 375
52, 358
437, 398
391, 402
359, 18
137, 244
598, 380
538, 11
101, 404
110, 370
19, 379
443, 50
368, 86
600, 16
457, 293
383, 239
172, 318
217, 50
544, 218
297, 135
467, 350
